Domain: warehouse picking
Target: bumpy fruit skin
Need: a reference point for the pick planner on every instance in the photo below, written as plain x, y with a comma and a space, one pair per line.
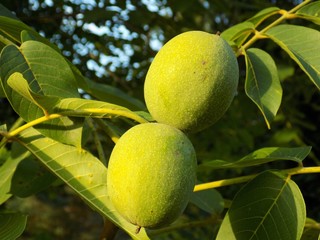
192, 81
151, 174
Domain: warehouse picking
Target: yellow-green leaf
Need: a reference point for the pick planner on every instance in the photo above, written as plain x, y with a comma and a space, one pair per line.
302, 44
79, 169
310, 12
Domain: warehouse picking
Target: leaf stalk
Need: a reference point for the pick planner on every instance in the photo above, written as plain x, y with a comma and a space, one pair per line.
259, 34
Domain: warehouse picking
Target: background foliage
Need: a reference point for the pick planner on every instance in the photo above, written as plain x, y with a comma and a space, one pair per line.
113, 42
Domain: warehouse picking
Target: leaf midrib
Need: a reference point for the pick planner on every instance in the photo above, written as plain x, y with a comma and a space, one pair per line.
271, 207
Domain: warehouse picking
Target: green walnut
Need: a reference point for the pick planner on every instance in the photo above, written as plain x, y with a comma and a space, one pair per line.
151, 174
192, 81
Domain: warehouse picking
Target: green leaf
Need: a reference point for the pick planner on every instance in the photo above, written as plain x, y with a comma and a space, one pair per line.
30, 175
114, 95
83, 172
262, 156
15, 30
4, 153
11, 28
262, 15
47, 74
262, 83
110, 94
310, 12
92, 108
311, 230
50, 70
268, 207
7, 170
20, 85
28, 36
209, 200
237, 31
300, 48
145, 115
30, 178
12, 225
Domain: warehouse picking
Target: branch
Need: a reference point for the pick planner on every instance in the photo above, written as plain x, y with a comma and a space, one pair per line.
237, 180
260, 34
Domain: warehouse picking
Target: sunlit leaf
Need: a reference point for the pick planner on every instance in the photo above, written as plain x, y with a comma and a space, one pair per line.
47, 74
209, 200
75, 107
310, 12
262, 156
268, 207
12, 225
238, 33
27, 36
262, 15
85, 107
83, 172
302, 44
20, 85
239, 30
262, 83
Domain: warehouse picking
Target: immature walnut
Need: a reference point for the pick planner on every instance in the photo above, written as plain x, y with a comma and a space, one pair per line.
151, 174
192, 81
